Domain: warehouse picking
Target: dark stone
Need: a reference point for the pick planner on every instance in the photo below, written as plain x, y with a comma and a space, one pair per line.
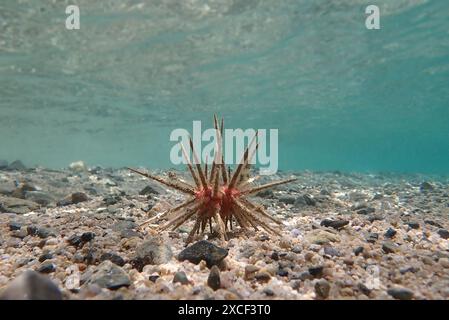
426, 186
74, 198
264, 237
364, 289
325, 192
45, 233
389, 247
31, 285
390, 233
377, 217
365, 211
32, 230
296, 249
287, 199
45, 256
305, 275
336, 224
110, 200
331, 251
443, 233
87, 236
372, 237
433, 223
213, 280
282, 273
153, 251
75, 240
268, 292
408, 269
148, 190
91, 257
316, 271
14, 225
153, 278
203, 250
46, 267
180, 277
358, 250
413, 225
305, 200
16, 166
114, 258
274, 256
322, 289
400, 293
110, 276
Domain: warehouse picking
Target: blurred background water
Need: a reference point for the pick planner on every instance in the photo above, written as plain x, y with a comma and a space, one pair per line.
343, 97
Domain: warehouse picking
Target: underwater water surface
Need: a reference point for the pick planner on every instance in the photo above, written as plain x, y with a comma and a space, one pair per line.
343, 97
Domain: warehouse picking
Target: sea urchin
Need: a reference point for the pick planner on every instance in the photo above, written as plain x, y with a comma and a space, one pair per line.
218, 196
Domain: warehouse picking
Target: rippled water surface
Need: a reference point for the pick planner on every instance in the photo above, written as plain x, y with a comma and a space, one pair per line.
343, 97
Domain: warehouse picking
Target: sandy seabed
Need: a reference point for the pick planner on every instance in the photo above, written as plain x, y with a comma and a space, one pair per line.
345, 236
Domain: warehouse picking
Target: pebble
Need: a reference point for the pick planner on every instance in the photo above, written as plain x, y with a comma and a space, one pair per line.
304, 200
443, 233
426, 186
331, 251
322, 289
390, 233
45, 233
154, 251
213, 280
31, 285
46, 267
114, 258
400, 293
322, 237
413, 225
108, 275
87, 236
16, 205
287, 199
45, 256
14, 225
444, 262
336, 224
389, 247
74, 198
372, 237
358, 250
316, 271
262, 276
250, 271
203, 250
180, 277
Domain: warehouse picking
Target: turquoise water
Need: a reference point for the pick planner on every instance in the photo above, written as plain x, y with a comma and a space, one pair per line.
343, 97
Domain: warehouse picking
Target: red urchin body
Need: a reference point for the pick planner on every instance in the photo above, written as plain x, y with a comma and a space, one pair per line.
218, 196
